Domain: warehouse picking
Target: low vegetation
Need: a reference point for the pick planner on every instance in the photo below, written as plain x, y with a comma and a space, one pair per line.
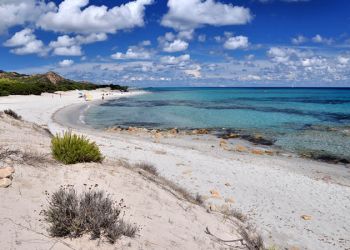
251, 239
148, 168
12, 83
6, 153
35, 86
236, 214
33, 158
166, 184
13, 114
71, 148
92, 212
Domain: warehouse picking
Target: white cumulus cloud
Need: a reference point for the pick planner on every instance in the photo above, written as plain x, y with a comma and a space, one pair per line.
299, 40
66, 63
175, 46
319, 39
133, 53
343, 59
77, 17
71, 46
191, 14
175, 59
20, 12
236, 42
24, 42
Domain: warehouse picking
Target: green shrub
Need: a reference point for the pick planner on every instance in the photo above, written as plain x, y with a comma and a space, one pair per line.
71, 148
93, 212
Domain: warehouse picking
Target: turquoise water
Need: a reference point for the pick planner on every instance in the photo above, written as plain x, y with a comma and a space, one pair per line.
296, 119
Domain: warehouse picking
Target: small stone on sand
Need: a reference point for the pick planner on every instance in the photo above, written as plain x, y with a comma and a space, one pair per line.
6, 172
5, 182
306, 217
257, 152
241, 148
214, 193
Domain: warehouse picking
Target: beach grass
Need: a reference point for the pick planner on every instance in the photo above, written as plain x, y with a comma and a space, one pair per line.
71, 148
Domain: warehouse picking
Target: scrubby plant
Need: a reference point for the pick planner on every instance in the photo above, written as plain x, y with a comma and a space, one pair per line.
252, 240
71, 148
92, 212
13, 114
148, 168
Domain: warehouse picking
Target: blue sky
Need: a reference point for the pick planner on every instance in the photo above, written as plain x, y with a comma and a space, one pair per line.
180, 42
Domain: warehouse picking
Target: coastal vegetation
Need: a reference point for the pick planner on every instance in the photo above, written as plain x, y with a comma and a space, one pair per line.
148, 168
12, 113
93, 212
71, 148
153, 175
12, 83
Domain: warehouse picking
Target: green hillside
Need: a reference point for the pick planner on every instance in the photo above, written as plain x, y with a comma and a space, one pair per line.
12, 83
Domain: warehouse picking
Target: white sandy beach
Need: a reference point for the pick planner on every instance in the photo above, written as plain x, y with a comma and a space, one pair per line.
273, 191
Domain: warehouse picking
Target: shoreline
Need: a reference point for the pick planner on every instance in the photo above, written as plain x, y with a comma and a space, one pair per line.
273, 191
64, 118
256, 138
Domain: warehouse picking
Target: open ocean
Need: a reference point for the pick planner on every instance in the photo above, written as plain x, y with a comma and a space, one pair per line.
301, 120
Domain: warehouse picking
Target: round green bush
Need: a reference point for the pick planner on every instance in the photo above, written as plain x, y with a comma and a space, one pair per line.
71, 148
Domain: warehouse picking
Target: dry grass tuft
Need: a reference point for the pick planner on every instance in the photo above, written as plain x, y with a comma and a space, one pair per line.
199, 199
93, 212
166, 184
148, 168
33, 158
30, 158
236, 214
6, 153
13, 114
252, 240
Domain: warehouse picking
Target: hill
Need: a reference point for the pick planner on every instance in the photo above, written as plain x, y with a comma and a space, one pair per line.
13, 83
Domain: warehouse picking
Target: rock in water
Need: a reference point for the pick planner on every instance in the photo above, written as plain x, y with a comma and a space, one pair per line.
174, 131
5, 182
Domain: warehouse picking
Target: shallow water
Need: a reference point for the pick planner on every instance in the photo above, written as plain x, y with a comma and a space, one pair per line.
298, 119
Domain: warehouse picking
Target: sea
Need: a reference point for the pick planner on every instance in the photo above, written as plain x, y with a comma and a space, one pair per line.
312, 122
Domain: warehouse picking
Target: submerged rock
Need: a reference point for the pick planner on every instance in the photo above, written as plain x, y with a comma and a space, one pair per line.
174, 131
230, 136
201, 131
254, 138
258, 139
325, 156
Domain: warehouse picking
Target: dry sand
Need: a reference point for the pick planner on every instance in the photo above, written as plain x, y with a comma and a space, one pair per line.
165, 221
274, 191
